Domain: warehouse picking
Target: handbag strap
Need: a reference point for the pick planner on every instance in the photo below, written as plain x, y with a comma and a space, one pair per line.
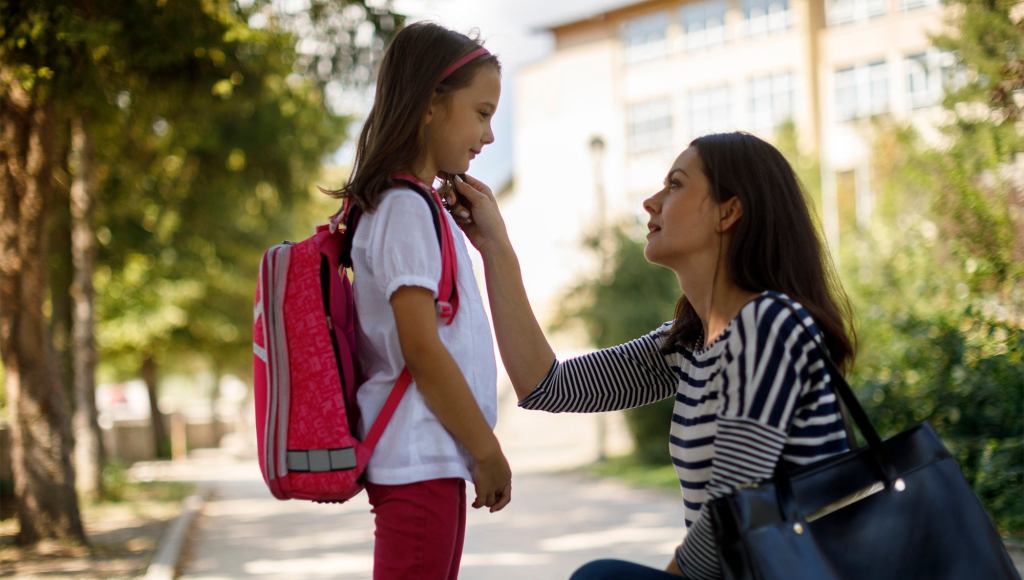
849, 400
842, 387
788, 506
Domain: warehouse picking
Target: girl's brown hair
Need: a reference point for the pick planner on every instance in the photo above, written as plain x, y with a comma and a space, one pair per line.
775, 245
408, 81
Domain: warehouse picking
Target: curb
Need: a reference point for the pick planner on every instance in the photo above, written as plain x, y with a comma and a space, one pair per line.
172, 543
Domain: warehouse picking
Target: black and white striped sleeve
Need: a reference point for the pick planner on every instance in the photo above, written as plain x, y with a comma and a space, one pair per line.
629, 375
772, 359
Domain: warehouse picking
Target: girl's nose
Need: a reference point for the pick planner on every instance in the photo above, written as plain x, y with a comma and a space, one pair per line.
488, 136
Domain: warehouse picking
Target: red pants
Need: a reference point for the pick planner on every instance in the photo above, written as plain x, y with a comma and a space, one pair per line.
420, 529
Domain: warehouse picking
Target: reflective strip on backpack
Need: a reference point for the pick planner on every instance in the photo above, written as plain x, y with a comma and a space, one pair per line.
280, 341
320, 460
268, 321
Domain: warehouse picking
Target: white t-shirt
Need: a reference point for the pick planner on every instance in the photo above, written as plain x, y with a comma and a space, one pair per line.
396, 246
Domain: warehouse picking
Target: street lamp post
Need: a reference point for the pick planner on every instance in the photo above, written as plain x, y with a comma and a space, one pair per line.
597, 147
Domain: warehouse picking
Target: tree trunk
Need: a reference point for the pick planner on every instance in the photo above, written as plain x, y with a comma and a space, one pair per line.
44, 479
161, 443
61, 273
89, 454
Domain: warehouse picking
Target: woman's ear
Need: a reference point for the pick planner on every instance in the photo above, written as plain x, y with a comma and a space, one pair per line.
729, 214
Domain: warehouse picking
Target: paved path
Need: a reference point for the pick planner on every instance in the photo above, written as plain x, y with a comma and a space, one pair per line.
555, 523
557, 520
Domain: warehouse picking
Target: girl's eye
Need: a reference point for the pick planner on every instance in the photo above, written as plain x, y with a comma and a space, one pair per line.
485, 115
674, 184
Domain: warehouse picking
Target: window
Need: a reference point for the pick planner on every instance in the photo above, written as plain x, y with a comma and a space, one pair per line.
704, 24
907, 5
710, 111
846, 11
644, 37
862, 91
771, 101
762, 17
650, 126
926, 75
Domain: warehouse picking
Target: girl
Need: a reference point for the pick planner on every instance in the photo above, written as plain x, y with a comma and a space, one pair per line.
740, 358
436, 93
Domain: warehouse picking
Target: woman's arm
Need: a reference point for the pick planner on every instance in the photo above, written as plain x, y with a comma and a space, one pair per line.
621, 377
524, 349
444, 389
629, 375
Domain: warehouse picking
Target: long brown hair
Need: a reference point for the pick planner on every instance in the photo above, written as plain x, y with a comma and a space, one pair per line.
407, 82
775, 245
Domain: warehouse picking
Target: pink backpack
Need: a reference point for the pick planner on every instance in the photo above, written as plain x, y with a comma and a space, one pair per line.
305, 361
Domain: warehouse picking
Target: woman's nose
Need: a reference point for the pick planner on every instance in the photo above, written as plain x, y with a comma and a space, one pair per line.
650, 204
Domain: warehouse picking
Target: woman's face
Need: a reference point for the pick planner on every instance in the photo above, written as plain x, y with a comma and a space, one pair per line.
684, 218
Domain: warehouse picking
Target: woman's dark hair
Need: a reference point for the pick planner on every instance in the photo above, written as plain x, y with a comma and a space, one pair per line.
408, 80
775, 244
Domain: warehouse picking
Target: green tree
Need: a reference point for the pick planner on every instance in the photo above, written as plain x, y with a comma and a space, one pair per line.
936, 276
34, 64
180, 125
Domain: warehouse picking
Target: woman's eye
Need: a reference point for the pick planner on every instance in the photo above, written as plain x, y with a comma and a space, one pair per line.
485, 115
674, 184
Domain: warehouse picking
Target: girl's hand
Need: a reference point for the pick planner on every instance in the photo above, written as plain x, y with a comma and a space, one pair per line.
483, 224
492, 478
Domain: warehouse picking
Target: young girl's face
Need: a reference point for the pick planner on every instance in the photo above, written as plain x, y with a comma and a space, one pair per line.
457, 129
685, 220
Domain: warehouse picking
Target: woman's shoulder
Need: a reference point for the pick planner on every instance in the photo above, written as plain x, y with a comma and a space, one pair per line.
772, 315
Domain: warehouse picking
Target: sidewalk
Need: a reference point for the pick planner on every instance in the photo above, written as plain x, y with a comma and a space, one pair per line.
555, 523
557, 520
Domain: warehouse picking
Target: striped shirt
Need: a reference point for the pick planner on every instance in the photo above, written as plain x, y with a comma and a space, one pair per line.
759, 393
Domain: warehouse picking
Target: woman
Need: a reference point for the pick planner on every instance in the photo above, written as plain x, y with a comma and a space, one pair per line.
741, 356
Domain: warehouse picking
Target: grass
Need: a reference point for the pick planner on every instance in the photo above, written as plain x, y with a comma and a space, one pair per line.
123, 531
630, 471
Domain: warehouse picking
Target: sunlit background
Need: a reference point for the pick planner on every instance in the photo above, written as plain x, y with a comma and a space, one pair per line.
175, 141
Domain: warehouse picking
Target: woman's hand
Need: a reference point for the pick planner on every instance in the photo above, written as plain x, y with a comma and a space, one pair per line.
483, 224
673, 568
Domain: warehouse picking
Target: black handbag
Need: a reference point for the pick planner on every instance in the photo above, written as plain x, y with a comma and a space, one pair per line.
898, 509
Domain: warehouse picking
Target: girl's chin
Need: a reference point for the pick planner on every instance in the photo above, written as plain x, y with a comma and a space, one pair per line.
457, 169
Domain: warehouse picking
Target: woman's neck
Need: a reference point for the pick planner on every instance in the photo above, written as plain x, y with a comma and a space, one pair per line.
716, 301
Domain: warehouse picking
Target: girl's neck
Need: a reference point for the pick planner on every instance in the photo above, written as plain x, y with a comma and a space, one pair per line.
425, 169
716, 301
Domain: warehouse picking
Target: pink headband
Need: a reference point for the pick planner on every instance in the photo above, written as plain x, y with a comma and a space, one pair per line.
462, 62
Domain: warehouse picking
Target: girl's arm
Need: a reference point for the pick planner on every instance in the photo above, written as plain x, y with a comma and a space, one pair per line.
444, 389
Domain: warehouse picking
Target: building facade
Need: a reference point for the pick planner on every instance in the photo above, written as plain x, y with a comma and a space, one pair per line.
600, 119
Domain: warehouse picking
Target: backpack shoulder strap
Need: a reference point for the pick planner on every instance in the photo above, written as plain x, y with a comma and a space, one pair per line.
447, 292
